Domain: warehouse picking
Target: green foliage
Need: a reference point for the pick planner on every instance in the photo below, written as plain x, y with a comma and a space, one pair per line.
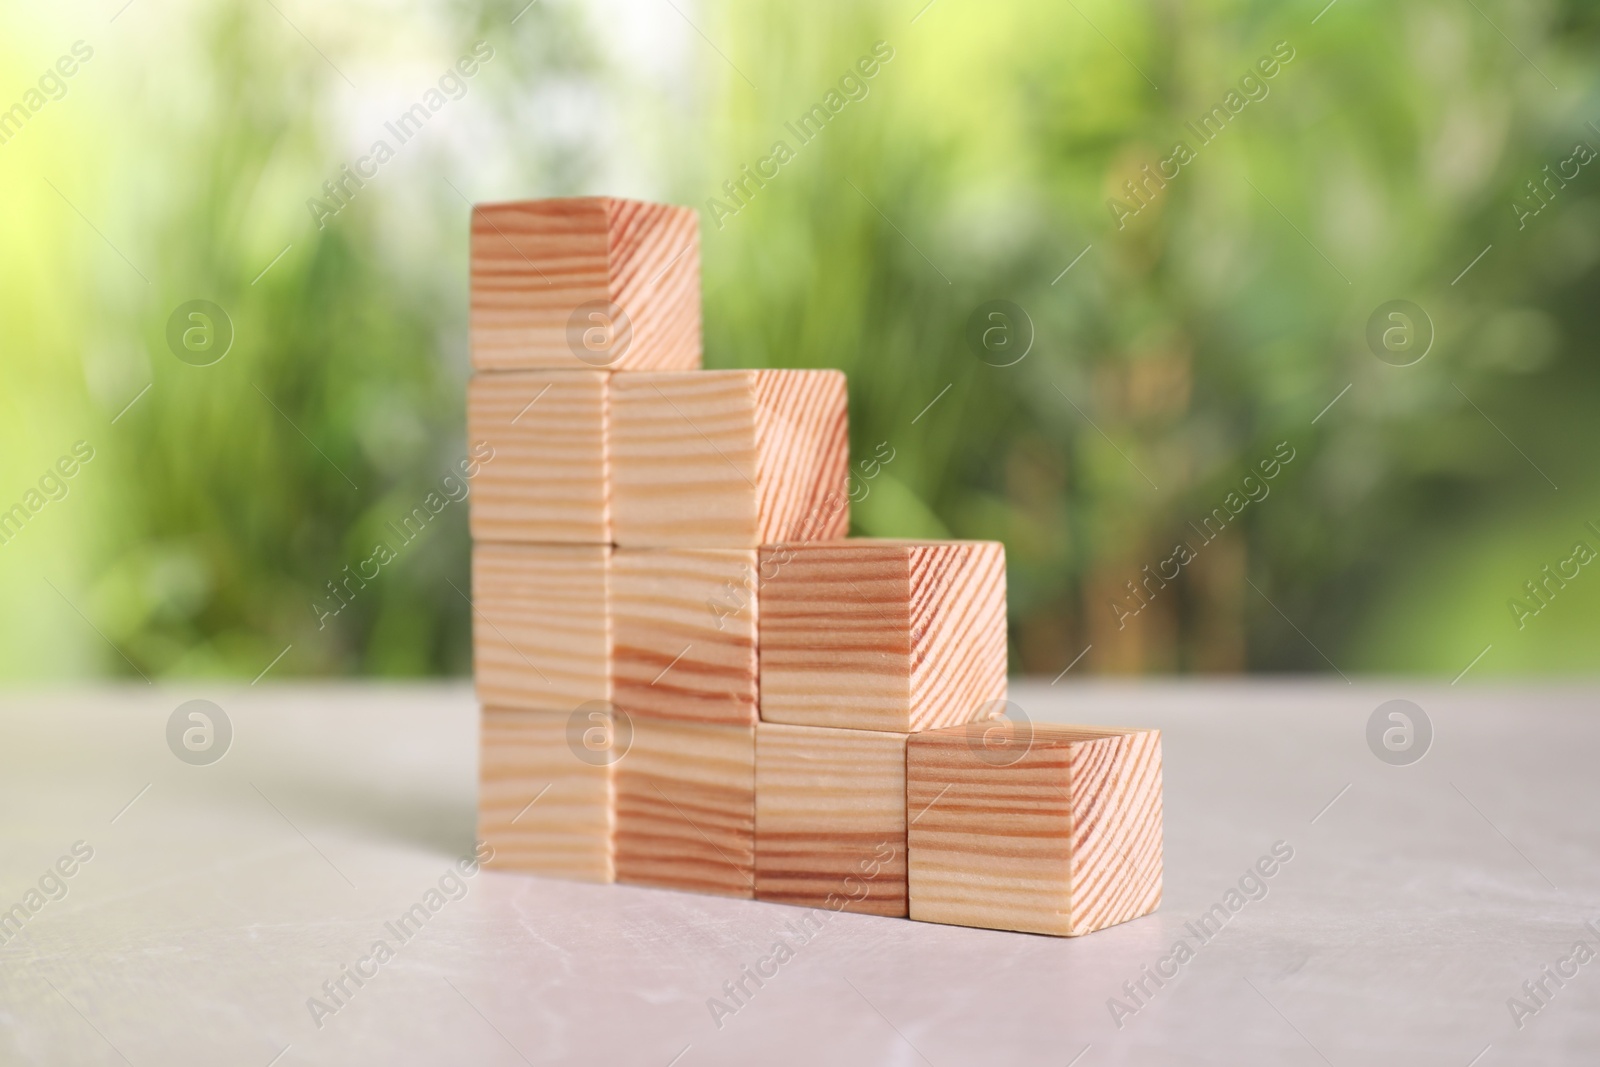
1189, 338
1219, 321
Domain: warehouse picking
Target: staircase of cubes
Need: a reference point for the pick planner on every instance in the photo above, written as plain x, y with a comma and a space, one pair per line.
691, 678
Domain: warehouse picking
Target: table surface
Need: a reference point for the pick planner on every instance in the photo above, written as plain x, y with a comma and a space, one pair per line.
218, 899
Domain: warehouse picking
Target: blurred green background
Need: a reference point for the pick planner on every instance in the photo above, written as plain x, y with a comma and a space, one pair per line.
1382, 161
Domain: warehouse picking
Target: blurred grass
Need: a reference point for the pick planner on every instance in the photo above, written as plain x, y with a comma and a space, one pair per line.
1173, 356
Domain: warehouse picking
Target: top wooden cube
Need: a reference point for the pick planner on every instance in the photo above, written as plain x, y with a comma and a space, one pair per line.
592, 283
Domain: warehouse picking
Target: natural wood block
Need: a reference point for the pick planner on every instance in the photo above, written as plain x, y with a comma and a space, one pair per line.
882, 635
831, 818
1043, 828
591, 282
540, 807
686, 807
548, 480
684, 631
541, 633
728, 459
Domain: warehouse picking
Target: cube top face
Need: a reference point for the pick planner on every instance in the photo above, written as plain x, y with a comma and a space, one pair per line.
547, 481
728, 459
831, 818
684, 633
585, 283
541, 625
1057, 832
528, 756
882, 635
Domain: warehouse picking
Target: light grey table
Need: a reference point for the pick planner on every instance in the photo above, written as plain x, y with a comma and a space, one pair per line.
219, 899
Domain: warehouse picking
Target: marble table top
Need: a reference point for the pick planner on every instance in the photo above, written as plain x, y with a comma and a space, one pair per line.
1442, 910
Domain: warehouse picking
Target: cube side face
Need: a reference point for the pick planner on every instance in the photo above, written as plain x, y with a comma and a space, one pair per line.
1116, 844
835, 632
831, 818
654, 255
988, 841
683, 466
568, 833
684, 634
958, 596
802, 455
541, 625
686, 808
548, 480
534, 263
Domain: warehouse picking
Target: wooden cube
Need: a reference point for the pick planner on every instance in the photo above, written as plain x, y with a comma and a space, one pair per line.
541, 634
882, 635
831, 818
686, 807
684, 634
585, 283
1043, 828
728, 459
547, 480
541, 807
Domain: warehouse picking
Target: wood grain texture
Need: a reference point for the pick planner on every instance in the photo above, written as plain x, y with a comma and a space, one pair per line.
831, 818
684, 632
882, 635
548, 481
1043, 828
540, 807
728, 459
686, 807
535, 262
541, 625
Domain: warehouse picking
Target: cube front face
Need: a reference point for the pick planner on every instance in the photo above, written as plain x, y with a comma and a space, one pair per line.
726, 459
882, 635
831, 818
683, 460
684, 634
541, 807
835, 644
686, 807
541, 625
585, 283
1057, 832
548, 480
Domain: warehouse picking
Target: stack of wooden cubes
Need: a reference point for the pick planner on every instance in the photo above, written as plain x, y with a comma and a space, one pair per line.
691, 678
